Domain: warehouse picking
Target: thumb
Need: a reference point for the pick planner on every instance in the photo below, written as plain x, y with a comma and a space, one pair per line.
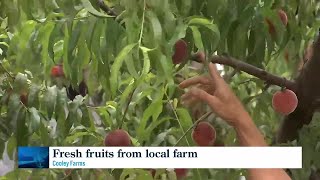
202, 95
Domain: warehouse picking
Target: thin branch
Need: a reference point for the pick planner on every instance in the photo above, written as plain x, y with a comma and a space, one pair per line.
106, 8
7, 72
252, 70
176, 115
194, 124
127, 107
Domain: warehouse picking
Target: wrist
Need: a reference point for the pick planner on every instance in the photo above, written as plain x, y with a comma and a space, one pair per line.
242, 121
247, 132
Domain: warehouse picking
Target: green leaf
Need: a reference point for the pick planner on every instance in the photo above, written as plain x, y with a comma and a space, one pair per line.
12, 146
156, 123
186, 5
156, 26
197, 37
105, 117
34, 120
88, 6
22, 129
44, 135
51, 100
45, 32
66, 53
131, 66
185, 122
146, 61
126, 93
14, 107
75, 136
20, 83
115, 68
33, 96
209, 25
85, 119
153, 111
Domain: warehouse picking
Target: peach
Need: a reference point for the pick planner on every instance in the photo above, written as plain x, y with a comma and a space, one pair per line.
117, 137
57, 71
204, 134
180, 52
284, 102
181, 173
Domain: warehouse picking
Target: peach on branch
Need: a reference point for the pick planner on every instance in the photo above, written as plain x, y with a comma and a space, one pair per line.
284, 102
117, 137
204, 134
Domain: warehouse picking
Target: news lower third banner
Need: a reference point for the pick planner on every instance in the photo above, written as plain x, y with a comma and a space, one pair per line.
160, 157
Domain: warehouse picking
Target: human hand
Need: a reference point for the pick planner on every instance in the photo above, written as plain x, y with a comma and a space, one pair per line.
214, 91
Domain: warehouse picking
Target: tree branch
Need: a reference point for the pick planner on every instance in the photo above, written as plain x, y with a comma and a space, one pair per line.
106, 8
252, 70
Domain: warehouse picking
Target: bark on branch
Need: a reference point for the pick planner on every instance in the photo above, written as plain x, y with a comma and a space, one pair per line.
252, 70
106, 8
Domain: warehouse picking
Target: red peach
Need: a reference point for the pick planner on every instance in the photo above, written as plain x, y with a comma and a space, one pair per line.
284, 102
117, 137
204, 134
57, 71
181, 173
180, 52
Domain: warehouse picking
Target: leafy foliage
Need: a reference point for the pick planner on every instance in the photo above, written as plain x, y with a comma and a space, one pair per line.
130, 56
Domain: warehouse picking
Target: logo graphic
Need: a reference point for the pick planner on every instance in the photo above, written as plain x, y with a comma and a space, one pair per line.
33, 157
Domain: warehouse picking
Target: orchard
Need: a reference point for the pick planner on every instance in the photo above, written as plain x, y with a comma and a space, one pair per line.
107, 73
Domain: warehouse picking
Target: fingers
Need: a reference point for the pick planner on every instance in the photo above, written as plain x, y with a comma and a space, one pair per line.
214, 72
196, 94
188, 100
194, 81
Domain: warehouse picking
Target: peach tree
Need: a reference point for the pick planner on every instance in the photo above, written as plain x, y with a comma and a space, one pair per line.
106, 73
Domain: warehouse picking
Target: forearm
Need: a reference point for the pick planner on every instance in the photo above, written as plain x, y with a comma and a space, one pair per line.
249, 135
247, 132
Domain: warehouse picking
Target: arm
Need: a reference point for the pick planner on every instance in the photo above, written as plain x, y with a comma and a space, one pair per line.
216, 93
249, 135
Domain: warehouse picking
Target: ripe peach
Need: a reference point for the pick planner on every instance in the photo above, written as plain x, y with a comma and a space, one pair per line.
284, 102
57, 71
181, 173
283, 16
204, 134
117, 137
180, 52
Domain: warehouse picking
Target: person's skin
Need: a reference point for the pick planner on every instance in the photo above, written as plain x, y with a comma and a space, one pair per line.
215, 92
